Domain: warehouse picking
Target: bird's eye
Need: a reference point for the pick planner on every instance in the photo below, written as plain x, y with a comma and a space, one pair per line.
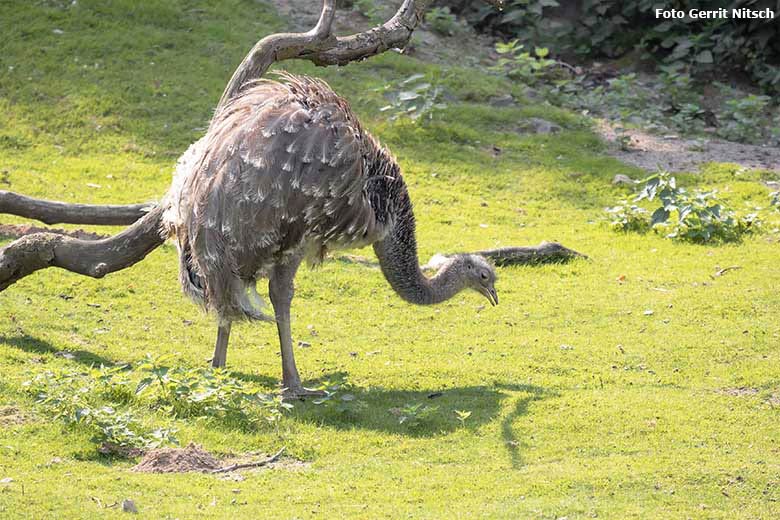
484, 276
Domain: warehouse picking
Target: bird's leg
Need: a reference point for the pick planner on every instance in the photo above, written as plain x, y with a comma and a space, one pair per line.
281, 291
220, 348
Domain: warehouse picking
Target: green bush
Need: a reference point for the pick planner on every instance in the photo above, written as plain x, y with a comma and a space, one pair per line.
701, 216
612, 28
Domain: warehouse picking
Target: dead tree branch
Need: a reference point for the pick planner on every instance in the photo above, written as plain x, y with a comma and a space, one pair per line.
256, 464
321, 48
544, 253
95, 258
55, 212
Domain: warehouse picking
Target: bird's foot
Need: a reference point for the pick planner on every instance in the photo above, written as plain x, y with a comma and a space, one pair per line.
300, 392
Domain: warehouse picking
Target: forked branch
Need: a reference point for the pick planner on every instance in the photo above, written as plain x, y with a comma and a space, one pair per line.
322, 48
95, 258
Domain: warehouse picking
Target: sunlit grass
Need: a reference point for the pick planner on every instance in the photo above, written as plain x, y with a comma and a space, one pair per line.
584, 403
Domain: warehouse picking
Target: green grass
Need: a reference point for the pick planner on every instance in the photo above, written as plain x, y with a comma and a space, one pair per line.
582, 405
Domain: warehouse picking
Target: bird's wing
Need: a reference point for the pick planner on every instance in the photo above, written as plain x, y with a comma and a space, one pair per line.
279, 170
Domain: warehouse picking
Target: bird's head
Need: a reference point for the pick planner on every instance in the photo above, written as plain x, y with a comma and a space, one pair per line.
480, 275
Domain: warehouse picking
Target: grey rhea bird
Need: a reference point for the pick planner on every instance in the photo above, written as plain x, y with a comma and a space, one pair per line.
286, 173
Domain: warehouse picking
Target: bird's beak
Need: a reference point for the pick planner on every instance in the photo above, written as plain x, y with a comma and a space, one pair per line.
491, 294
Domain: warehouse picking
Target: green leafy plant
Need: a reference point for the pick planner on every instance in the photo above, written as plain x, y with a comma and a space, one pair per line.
742, 118
339, 395
627, 216
100, 399
71, 396
414, 98
414, 414
615, 28
442, 21
462, 416
521, 65
205, 392
700, 216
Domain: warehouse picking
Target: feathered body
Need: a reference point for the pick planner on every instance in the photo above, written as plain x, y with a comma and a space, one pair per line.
286, 172
286, 169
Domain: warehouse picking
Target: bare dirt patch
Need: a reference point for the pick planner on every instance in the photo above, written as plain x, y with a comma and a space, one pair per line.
178, 460
194, 458
742, 391
12, 416
676, 154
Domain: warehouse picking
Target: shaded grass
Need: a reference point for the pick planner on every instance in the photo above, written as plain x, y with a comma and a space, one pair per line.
582, 404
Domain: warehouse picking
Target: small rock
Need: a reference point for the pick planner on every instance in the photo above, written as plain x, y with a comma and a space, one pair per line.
623, 180
6, 480
304, 344
648, 312
502, 101
128, 506
542, 126
58, 31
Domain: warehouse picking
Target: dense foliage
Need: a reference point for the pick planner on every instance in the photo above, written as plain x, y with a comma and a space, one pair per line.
611, 28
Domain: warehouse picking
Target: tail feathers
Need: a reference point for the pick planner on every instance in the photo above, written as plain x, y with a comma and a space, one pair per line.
191, 282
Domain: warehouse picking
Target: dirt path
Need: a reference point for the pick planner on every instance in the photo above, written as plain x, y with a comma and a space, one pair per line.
676, 153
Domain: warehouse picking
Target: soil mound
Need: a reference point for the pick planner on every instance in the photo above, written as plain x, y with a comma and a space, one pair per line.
177, 460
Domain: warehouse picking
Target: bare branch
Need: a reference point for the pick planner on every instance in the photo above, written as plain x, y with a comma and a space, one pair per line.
278, 47
95, 258
55, 212
321, 48
260, 463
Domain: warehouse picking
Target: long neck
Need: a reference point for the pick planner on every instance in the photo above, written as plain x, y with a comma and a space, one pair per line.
397, 255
